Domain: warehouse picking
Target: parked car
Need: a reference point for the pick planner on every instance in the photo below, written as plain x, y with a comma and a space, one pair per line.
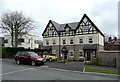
50, 57
27, 57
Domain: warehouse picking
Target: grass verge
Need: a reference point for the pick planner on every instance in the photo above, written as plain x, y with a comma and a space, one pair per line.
116, 72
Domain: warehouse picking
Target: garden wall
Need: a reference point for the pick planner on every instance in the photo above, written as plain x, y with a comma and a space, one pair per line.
109, 58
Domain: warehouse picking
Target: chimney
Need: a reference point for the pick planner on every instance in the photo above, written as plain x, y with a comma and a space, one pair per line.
115, 38
109, 39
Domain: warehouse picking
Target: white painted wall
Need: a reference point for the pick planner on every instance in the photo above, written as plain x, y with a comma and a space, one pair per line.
26, 43
67, 38
51, 41
7, 37
86, 38
97, 39
101, 40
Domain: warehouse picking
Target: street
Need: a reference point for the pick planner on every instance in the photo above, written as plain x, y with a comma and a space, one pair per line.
12, 71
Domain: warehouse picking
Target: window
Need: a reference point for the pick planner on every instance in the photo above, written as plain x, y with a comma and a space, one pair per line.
50, 32
47, 42
67, 30
6, 41
81, 40
21, 40
81, 54
54, 42
71, 41
90, 40
29, 40
85, 28
64, 42
71, 54
36, 41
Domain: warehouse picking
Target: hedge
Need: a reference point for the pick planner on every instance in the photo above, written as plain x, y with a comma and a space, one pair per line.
10, 52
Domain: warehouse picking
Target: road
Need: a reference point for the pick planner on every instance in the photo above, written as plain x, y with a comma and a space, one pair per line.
12, 71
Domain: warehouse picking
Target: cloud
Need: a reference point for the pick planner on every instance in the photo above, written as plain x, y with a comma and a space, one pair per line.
102, 12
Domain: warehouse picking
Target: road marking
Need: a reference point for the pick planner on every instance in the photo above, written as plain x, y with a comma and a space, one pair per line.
24, 70
17, 71
42, 66
59, 69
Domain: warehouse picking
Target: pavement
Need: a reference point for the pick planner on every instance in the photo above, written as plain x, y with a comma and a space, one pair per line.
49, 71
77, 66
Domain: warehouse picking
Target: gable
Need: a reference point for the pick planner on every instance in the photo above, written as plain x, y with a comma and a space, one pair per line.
86, 26
50, 30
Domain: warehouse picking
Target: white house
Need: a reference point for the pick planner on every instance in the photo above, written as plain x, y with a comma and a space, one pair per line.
26, 41
81, 38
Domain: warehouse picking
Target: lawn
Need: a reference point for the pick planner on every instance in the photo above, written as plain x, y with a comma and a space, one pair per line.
103, 71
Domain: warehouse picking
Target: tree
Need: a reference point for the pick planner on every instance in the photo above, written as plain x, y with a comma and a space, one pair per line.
16, 24
109, 36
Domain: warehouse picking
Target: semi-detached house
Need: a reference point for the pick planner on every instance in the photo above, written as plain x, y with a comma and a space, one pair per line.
81, 39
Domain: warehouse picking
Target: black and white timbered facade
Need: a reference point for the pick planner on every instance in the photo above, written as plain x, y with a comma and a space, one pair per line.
81, 39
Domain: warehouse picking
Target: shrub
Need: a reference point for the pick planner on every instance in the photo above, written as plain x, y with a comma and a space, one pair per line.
9, 52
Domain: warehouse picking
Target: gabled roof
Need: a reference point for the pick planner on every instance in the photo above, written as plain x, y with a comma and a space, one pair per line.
56, 26
90, 22
61, 27
73, 25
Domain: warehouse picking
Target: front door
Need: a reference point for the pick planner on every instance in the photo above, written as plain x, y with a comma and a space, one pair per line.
88, 56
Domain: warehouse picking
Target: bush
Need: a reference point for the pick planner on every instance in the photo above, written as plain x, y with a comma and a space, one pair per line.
10, 52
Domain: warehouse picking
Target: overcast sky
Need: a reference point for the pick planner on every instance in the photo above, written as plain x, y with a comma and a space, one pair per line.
104, 13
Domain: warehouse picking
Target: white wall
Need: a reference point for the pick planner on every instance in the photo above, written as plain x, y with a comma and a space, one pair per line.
7, 37
97, 39
101, 40
86, 38
67, 39
26, 43
51, 41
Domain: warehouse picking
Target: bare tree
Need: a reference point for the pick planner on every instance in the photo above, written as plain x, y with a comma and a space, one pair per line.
109, 36
16, 24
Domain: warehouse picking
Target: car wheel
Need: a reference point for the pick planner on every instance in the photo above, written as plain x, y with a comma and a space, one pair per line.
18, 62
50, 59
33, 63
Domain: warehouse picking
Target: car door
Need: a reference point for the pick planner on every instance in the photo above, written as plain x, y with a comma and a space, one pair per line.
22, 57
26, 58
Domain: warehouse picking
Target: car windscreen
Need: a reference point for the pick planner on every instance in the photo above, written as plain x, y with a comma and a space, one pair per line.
33, 54
53, 55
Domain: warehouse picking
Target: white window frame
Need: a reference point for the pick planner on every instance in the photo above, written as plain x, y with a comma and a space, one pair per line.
71, 40
71, 55
63, 41
54, 42
47, 42
81, 38
90, 39
85, 28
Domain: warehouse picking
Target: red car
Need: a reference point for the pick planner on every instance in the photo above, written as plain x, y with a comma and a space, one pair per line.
27, 57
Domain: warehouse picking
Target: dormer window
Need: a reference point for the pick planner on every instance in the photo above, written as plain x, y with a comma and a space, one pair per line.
85, 28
